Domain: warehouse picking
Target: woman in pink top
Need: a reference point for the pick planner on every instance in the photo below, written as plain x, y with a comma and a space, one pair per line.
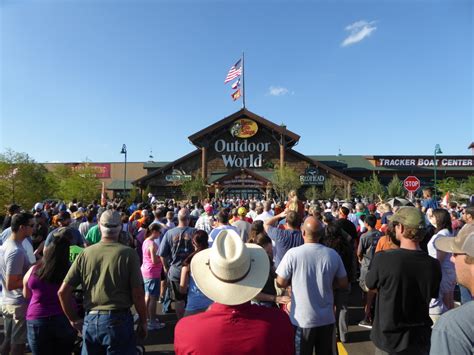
151, 271
48, 329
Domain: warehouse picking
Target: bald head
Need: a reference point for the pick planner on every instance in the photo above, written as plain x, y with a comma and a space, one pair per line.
183, 217
312, 229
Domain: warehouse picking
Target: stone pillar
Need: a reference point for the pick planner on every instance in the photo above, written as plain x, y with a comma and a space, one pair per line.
204, 163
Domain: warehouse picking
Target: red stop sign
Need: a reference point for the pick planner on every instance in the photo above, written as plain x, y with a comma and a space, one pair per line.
411, 183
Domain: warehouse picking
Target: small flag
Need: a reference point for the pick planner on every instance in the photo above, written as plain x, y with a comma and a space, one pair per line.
234, 72
236, 84
236, 95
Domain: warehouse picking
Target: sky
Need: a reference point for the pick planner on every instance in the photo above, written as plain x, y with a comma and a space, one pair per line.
378, 77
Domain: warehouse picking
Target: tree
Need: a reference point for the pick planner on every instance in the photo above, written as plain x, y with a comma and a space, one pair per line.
312, 193
80, 183
22, 180
467, 186
448, 185
194, 187
395, 187
285, 179
370, 189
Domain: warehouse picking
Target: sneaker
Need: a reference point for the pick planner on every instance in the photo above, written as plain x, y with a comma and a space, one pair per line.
366, 323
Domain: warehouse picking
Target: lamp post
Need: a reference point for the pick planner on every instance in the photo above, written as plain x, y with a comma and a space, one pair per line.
435, 165
124, 151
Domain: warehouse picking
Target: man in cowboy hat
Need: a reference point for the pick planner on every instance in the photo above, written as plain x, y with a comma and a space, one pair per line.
453, 332
231, 273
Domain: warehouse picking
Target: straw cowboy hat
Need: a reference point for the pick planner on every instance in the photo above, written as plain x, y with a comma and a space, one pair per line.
230, 272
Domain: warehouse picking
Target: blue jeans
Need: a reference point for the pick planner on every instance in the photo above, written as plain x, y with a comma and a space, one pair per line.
108, 334
51, 335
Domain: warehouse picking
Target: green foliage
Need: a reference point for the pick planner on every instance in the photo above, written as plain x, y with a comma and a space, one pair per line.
371, 189
80, 183
144, 196
134, 196
312, 193
467, 186
395, 187
285, 179
448, 184
22, 180
194, 187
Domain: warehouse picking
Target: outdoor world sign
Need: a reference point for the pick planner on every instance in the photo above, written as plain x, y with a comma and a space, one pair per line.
312, 177
240, 153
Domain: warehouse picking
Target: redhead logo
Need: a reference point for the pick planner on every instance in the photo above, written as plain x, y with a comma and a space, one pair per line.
244, 128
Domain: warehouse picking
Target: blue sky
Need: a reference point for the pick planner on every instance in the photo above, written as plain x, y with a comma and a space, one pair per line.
80, 78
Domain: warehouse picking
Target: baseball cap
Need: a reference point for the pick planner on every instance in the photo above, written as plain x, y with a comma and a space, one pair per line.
38, 206
241, 211
461, 243
371, 207
110, 219
409, 217
347, 205
208, 208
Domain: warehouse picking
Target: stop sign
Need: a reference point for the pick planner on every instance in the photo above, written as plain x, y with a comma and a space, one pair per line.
411, 183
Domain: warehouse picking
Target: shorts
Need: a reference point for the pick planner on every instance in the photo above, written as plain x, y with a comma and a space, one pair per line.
363, 274
175, 294
152, 287
14, 322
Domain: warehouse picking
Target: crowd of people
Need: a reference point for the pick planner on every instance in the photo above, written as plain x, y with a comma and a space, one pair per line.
255, 276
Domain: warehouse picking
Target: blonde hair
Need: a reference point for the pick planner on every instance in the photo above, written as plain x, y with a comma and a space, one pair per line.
292, 201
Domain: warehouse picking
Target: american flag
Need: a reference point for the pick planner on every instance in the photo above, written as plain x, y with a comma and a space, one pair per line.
234, 72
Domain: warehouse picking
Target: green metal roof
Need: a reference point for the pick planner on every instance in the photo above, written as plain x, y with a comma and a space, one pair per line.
118, 185
154, 164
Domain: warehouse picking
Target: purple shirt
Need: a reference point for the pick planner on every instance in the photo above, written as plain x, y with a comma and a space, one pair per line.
44, 298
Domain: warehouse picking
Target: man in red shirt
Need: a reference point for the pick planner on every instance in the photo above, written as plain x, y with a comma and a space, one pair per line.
231, 273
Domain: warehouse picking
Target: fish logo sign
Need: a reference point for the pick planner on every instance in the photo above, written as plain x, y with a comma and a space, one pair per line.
244, 128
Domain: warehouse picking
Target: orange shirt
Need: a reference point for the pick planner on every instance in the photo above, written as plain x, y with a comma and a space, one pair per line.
385, 243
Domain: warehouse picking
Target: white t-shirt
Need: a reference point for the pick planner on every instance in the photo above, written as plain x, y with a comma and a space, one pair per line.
312, 269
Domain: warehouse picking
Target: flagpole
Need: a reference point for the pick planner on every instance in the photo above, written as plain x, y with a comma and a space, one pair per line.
243, 81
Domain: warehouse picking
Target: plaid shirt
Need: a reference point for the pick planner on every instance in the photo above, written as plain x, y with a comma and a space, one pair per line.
204, 223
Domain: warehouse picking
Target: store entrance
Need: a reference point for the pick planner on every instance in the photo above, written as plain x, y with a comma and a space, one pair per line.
243, 193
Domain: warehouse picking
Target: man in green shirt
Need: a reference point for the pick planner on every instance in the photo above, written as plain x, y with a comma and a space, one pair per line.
111, 280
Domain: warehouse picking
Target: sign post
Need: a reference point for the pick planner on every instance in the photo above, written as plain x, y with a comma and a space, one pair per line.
411, 184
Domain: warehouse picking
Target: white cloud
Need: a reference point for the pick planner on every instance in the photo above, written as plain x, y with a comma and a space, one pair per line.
358, 31
278, 91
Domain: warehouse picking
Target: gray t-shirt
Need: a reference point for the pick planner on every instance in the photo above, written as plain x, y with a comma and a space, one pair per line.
312, 269
13, 261
453, 333
176, 247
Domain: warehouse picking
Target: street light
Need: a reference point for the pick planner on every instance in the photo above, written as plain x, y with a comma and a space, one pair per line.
124, 151
435, 165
